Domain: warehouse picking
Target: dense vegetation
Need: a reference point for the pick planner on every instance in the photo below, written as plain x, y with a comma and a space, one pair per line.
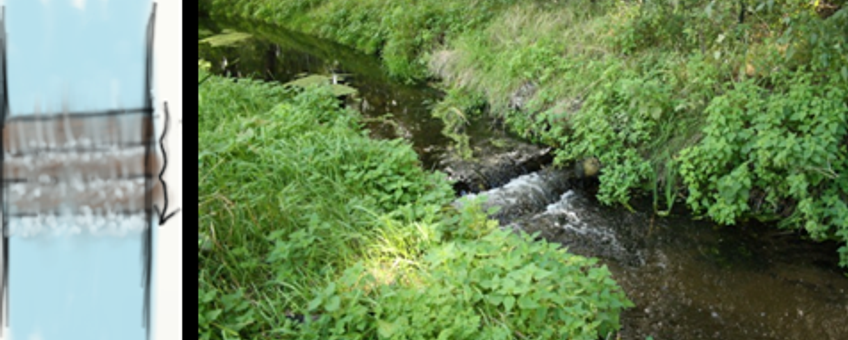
737, 108
312, 230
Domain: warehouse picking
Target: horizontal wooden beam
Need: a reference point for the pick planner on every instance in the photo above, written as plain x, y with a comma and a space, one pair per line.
70, 163
34, 134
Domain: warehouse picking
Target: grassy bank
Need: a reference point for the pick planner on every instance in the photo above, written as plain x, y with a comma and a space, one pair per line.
314, 231
735, 107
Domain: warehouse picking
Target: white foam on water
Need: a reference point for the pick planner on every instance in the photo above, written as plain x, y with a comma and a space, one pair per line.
524, 190
565, 216
563, 205
109, 224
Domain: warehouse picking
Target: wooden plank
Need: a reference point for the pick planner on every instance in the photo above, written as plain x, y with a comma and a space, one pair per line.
27, 134
34, 197
42, 172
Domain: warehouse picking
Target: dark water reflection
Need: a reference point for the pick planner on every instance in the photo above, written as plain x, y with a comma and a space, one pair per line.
279, 55
694, 280
689, 279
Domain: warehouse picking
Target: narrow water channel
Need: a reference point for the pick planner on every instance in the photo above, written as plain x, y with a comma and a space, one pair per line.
689, 279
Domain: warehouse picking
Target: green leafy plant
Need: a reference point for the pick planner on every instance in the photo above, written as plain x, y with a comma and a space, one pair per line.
351, 237
498, 286
786, 146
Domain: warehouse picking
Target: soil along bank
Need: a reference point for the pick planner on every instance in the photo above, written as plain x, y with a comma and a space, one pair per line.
739, 111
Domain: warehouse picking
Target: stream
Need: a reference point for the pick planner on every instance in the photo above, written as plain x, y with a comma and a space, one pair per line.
689, 279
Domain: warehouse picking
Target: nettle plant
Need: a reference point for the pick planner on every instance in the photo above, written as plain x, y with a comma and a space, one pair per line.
616, 123
498, 286
787, 146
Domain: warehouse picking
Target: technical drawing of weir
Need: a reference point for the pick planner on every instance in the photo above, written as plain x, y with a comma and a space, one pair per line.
94, 172
99, 169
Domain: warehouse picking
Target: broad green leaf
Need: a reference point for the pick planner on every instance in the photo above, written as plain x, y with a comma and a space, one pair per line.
495, 299
333, 303
314, 303
509, 302
656, 113
212, 315
508, 284
209, 296
385, 328
525, 302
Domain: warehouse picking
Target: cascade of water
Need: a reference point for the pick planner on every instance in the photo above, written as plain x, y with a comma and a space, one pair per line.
571, 222
524, 194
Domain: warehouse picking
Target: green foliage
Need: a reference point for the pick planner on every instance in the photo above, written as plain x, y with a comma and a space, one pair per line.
788, 145
635, 83
297, 165
496, 286
400, 31
654, 78
213, 322
304, 214
616, 122
456, 110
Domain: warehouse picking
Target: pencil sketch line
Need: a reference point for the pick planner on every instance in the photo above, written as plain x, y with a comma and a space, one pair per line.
162, 217
4, 286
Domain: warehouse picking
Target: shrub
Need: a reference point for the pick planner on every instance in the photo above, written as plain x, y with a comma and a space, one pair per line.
500, 286
784, 146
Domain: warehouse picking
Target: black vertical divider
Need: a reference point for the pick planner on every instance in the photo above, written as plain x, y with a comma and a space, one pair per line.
4, 107
147, 239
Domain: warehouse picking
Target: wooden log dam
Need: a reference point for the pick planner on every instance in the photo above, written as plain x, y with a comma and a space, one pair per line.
81, 164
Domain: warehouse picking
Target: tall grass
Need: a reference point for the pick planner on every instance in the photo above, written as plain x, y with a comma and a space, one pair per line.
291, 190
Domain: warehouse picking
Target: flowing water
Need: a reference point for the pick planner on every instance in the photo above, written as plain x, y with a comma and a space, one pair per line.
689, 279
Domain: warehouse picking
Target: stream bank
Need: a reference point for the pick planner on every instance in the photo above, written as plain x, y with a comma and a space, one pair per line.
689, 279
616, 80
